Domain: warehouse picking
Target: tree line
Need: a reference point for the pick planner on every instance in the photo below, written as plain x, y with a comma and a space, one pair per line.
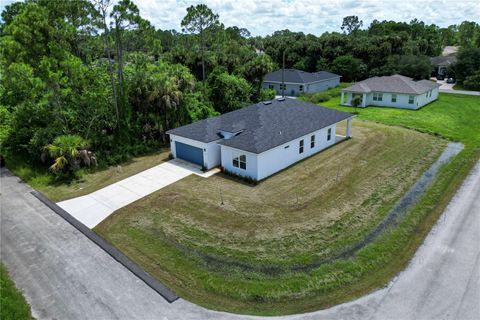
90, 75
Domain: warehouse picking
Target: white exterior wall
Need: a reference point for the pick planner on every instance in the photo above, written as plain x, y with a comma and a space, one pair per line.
278, 158
227, 162
260, 166
402, 100
211, 150
422, 99
322, 85
293, 89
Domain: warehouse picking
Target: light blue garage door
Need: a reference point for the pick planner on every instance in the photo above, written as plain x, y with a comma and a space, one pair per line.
189, 153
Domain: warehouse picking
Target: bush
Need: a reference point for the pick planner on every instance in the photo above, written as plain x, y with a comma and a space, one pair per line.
267, 94
316, 97
472, 82
240, 177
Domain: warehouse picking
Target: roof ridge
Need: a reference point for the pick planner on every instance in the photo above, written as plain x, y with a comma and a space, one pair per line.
410, 83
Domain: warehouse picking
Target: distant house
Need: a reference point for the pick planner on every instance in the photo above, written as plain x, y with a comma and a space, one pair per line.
441, 63
297, 82
391, 91
259, 140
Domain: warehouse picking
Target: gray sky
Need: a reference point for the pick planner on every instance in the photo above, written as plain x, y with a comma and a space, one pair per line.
309, 16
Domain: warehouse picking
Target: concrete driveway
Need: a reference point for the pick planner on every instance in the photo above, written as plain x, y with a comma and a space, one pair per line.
65, 276
448, 88
93, 208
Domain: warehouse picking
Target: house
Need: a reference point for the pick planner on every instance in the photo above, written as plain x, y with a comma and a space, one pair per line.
296, 82
395, 91
441, 64
259, 140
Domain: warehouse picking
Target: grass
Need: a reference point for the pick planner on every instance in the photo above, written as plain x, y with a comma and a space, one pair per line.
13, 305
257, 253
89, 181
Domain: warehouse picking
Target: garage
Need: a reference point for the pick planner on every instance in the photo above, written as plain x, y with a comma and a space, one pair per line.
189, 153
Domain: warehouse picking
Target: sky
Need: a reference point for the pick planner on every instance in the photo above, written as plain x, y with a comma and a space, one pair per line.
308, 16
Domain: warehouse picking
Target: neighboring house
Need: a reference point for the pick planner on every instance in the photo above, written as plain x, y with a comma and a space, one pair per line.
442, 63
395, 91
259, 140
297, 82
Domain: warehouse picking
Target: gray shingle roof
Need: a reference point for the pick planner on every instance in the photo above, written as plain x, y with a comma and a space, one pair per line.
263, 126
298, 76
396, 83
443, 60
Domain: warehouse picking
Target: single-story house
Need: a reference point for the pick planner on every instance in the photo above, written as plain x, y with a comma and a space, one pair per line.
441, 63
395, 91
259, 140
296, 82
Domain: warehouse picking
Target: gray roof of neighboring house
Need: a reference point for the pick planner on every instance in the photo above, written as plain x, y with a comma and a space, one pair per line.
443, 60
298, 76
264, 125
396, 84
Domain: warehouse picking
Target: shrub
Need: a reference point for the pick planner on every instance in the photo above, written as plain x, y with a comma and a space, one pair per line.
472, 82
69, 152
240, 177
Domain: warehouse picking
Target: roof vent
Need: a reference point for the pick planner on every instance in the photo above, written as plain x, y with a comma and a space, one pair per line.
267, 102
281, 99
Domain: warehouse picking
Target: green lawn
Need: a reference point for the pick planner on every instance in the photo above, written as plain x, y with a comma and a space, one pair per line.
257, 252
13, 305
90, 181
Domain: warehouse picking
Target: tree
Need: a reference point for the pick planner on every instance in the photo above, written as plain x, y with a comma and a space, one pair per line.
348, 67
468, 63
102, 6
69, 152
228, 92
351, 24
468, 34
255, 70
417, 67
126, 16
198, 19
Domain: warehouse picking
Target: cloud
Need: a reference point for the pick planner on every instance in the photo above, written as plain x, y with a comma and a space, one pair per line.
309, 16
316, 16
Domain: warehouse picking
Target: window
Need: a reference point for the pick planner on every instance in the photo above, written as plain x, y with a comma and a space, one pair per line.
394, 97
377, 96
300, 146
271, 86
312, 141
411, 99
329, 134
243, 162
300, 88
283, 86
239, 161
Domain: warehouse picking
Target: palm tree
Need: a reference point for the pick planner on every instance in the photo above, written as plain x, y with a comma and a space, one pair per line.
65, 150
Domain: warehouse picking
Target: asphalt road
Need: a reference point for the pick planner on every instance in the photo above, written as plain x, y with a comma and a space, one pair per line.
65, 276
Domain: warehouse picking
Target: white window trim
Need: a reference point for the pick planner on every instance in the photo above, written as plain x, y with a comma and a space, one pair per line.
237, 156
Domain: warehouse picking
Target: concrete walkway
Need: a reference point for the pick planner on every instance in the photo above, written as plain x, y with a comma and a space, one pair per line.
63, 275
93, 208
